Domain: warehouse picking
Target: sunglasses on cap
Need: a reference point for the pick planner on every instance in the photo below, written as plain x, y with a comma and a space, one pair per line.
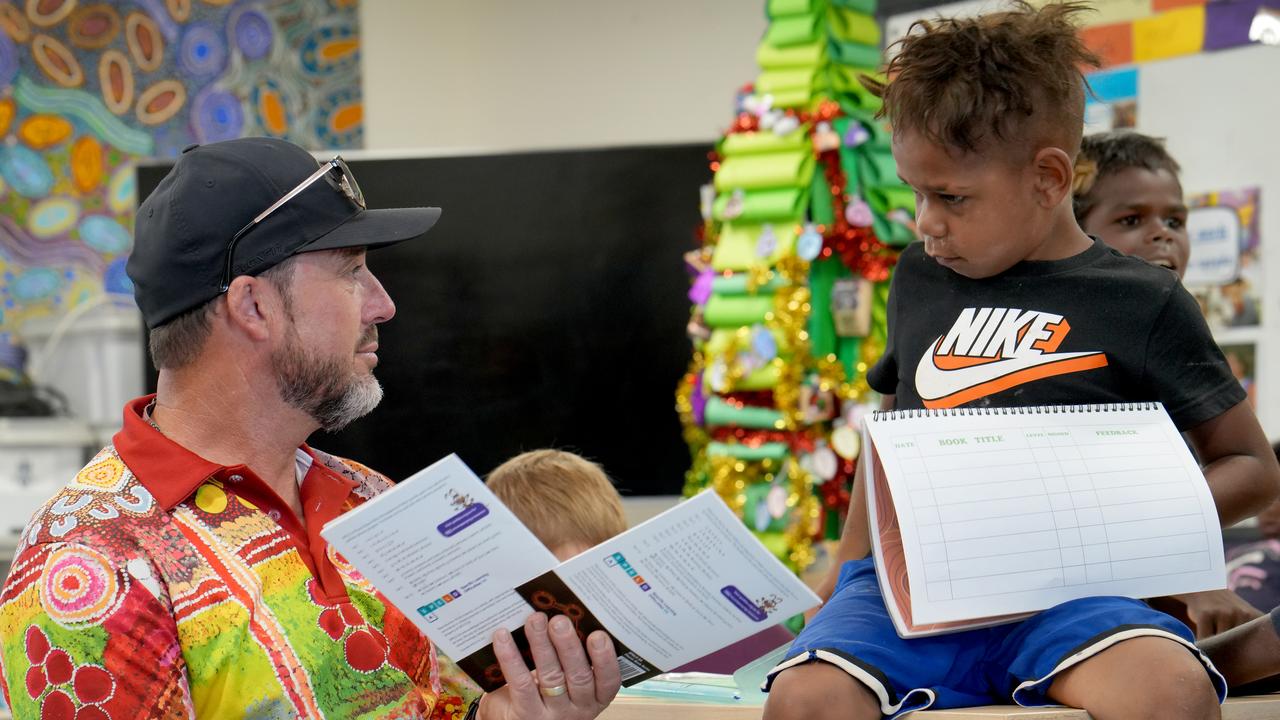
335, 172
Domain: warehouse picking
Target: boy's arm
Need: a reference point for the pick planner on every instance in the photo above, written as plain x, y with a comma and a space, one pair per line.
1209, 612
855, 538
1243, 478
1247, 653
1238, 462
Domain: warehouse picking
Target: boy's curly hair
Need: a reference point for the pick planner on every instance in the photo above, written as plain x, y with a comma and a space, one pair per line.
1010, 76
1107, 153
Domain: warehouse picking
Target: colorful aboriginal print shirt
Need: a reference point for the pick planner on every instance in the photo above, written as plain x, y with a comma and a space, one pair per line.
159, 585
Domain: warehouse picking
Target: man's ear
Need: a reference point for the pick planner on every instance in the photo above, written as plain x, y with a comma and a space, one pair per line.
253, 306
1054, 173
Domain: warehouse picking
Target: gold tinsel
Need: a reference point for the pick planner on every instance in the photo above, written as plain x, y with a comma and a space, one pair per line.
805, 513
793, 269
729, 476
758, 275
790, 317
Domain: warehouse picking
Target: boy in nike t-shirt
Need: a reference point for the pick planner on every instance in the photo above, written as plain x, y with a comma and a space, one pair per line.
1006, 302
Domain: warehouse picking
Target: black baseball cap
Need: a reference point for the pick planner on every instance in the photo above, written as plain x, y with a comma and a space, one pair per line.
183, 229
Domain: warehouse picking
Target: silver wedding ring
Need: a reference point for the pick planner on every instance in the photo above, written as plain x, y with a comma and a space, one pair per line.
555, 691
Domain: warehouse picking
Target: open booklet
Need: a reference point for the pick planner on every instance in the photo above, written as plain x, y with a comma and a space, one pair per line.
458, 563
983, 515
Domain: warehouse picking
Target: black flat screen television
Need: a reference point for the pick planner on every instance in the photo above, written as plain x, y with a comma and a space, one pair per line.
547, 308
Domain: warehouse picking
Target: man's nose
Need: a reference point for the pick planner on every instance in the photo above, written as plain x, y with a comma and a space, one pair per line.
379, 306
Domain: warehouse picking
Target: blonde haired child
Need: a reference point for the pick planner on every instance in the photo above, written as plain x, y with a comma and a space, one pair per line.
565, 499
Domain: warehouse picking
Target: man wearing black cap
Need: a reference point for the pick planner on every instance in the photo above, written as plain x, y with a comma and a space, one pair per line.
182, 572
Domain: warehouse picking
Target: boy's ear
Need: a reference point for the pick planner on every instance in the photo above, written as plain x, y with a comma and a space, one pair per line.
1054, 173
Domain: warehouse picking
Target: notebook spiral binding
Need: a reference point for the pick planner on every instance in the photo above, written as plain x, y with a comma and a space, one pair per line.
1037, 410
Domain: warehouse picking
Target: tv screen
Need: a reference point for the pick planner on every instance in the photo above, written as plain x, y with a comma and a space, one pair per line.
547, 308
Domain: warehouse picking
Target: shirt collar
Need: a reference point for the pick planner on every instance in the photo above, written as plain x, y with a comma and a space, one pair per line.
167, 470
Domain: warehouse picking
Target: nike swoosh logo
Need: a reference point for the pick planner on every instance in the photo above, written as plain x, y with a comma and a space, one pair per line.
940, 388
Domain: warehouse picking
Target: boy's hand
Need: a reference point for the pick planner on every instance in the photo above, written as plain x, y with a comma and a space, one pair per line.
1210, 612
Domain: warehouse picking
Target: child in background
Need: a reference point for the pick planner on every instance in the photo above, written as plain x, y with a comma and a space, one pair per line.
987, 115
1126, 192
565, 500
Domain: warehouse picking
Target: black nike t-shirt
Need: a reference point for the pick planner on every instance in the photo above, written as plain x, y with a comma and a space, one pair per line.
1098, 327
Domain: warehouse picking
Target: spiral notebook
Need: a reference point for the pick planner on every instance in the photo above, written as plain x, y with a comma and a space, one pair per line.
984, 515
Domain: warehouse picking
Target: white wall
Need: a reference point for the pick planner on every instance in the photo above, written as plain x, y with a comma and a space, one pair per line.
518, 74
1218, 113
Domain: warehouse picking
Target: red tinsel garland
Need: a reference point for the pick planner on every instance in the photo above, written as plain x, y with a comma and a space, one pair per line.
857, 247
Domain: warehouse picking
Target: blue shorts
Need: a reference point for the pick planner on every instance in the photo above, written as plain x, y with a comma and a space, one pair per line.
1015, 661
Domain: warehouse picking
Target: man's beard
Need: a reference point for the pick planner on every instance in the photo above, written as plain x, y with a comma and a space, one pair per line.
324, 388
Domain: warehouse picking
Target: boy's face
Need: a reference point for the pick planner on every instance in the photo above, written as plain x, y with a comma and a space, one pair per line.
978, 215
1141, 213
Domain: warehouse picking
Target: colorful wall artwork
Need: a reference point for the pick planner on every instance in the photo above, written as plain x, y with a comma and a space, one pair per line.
1123, 32
1113, 102
1242, 358
86, 89
1225, 270
1225, 275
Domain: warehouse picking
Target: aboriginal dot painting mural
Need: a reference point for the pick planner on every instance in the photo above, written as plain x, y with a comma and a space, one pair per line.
88, 88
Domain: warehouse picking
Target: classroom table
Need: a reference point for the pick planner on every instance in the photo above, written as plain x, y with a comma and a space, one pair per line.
1263, 707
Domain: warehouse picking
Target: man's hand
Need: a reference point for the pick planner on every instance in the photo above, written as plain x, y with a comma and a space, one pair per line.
1210, 612
566, 686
